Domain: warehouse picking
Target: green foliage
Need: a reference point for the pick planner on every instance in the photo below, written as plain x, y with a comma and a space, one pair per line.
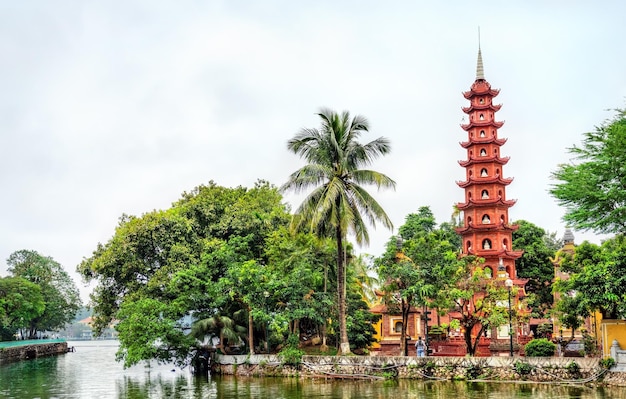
60, 293
592, 188
535, 264
597, 281
291, 354
573, 368
421, 270
338, 204
182, 259
607, 362
360, 322
590, 344
473, 371
540, 347
148, 329
20, 303
544, 330
484, 310
522, 368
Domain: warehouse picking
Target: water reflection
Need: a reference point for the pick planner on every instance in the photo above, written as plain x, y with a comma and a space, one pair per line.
92, 372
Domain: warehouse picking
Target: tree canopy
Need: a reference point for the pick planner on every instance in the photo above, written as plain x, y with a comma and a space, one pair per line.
59, 292
170, 264
536, 264
593, 187
597, 280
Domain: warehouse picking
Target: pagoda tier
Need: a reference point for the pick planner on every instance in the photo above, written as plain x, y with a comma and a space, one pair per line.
481, 87
487, 226
484, 180
473, 160
501, 253
473, 107
482, 123
486, 202
490, 140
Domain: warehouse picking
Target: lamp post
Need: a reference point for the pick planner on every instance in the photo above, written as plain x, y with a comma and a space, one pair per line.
509, 284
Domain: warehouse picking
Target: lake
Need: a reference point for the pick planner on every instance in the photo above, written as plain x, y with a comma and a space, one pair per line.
92, 372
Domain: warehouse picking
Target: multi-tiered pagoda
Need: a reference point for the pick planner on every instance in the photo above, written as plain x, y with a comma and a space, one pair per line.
486, 231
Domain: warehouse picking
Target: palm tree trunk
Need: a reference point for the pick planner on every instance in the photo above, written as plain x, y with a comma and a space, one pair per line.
344, 346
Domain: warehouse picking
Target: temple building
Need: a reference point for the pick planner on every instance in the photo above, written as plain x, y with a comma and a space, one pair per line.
486, 231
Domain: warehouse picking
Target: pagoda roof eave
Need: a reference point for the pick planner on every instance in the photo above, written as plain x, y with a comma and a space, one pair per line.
493, 107
485, 202
496, 124
496, 253
484, 180
471, 161
473, 92
466, 144
490, 226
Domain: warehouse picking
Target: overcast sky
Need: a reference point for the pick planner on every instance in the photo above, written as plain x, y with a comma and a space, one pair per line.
112, 107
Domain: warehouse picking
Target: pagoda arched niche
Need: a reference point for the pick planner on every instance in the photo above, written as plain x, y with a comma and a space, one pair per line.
484, 173
486, 219
483, 152
468, 246
505, 244
486, 243
488, 271
484, 194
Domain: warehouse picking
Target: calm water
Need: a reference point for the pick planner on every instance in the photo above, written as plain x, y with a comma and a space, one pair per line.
91, 372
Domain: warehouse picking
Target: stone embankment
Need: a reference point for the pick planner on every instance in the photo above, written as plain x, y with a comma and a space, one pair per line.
31, 351
550, 369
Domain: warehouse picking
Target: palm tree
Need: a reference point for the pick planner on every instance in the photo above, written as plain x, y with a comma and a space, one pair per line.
219, 326
338, 203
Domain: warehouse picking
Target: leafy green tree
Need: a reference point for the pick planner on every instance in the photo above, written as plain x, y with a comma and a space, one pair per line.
597, 280
477, 298
338, 204
593, 187
177, 257
302, 266
402, 283
535, 264
417, 266
20, 303
59, 291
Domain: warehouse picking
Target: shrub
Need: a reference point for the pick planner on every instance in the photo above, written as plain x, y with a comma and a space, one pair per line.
291, 354
522, 368
607, 362
573, 368
473, 371
540, 348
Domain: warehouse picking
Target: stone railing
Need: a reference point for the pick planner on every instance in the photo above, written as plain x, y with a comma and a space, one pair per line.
619, 355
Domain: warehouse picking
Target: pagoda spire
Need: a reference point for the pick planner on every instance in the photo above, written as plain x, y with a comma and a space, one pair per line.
480, 71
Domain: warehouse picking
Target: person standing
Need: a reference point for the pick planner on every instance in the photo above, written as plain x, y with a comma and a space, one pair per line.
419, 347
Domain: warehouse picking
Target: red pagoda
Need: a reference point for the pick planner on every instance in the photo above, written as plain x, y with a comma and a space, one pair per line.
486, 231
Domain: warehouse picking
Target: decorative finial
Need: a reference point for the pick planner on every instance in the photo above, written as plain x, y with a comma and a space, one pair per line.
568, 237
480, 71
